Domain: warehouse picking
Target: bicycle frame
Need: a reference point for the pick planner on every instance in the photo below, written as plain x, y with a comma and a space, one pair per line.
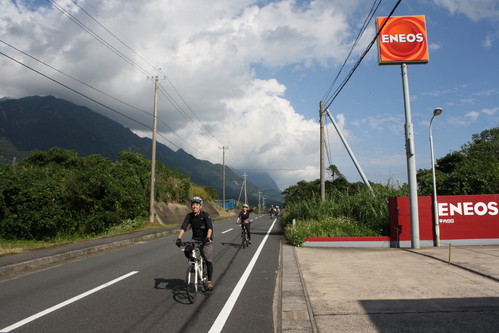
196, 273
244, 235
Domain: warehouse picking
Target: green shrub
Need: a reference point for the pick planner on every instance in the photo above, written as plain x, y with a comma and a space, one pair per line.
326, 227
344, 213
57, 194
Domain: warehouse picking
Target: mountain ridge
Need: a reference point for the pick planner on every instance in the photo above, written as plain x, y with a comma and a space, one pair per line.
42, 122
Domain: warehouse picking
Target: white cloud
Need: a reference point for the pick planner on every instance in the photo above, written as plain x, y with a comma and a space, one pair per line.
382, 123
435, 46
207, 54
488, 92
490, 112
475, 10
473, 115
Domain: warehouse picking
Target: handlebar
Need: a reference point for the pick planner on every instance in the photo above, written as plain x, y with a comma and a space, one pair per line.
191, 242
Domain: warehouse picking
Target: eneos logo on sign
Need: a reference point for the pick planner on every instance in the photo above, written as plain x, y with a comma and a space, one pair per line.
402, 40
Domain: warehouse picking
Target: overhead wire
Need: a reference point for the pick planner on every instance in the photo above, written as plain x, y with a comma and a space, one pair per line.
131, 62
101, 92
96, 36
116, 37
203, 130
75, 91
170, 98
368, 18
87, 97
75, 79
368, 48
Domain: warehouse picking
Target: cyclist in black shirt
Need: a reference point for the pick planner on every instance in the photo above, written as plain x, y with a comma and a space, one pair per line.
202, 230
244, 218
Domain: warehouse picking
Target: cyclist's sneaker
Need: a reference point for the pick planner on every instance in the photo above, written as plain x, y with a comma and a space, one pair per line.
209, 286
249, 241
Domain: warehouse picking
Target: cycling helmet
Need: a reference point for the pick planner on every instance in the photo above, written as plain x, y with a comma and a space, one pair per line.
245, 205
197, 200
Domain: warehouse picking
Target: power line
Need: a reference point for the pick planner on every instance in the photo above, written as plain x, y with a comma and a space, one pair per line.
75, 91
347, 78
105, 94
368, 18
75, 79
116, 37
131, 62
97, 37
164, 92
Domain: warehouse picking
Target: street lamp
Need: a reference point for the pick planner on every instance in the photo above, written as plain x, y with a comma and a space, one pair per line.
436, 112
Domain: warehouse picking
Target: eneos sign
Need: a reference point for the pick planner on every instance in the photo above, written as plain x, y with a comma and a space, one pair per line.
463, 219
402, 39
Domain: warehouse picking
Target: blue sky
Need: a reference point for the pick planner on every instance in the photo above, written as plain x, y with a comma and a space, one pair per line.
250, 75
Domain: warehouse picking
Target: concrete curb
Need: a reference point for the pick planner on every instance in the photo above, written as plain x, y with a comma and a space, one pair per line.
296, 311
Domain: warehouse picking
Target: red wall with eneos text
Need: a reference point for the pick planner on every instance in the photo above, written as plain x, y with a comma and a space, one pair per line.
460, 217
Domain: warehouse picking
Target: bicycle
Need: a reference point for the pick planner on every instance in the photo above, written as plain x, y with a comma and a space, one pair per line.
244, 235
197, 272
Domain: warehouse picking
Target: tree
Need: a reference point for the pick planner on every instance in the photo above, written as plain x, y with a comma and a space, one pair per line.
335, 172
472, 170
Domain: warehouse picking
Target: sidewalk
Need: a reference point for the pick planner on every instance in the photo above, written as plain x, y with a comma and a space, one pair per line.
391, 290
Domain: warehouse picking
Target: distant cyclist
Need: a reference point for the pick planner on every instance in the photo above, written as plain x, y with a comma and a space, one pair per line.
277, 211
271, 211
202, 230
244, 218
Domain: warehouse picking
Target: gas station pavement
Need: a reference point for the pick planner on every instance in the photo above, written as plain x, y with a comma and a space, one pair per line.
390, 289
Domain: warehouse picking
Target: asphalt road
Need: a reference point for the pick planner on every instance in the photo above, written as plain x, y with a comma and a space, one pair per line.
141, 289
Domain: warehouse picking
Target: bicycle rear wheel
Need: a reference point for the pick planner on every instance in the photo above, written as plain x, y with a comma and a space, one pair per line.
191, 286
244, 237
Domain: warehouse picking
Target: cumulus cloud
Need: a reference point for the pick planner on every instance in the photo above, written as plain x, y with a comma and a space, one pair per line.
209, 94
475, 10
473, 115
382, 123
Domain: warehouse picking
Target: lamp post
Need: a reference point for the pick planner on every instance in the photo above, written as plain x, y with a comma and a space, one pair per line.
436, 112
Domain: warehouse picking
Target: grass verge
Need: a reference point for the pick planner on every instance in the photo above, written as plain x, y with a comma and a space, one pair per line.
8, 247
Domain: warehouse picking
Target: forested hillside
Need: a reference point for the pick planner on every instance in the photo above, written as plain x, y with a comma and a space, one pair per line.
41, 123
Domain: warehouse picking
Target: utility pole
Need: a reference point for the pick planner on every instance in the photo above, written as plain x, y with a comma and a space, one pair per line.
322, 171
259, 201
153, 154
245, 191
223, 174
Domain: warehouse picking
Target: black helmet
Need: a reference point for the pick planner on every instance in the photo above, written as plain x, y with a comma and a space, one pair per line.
197, 200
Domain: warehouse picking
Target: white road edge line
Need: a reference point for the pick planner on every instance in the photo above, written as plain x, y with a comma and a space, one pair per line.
219, 323
60, 305
223, 232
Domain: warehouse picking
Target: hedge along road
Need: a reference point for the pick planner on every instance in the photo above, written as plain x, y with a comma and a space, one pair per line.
141, 288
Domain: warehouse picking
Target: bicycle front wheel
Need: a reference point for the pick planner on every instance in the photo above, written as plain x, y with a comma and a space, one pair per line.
191, 285
244, 237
